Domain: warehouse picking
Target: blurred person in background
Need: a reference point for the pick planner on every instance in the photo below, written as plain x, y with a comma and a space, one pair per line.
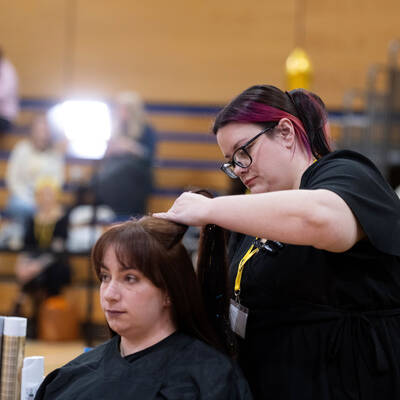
125, 175
42, 270
9, 103
38, 155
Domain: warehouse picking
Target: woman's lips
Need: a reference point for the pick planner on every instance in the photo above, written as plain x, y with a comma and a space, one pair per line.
114, 313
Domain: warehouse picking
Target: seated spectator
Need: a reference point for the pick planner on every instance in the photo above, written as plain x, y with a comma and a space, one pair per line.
9, 104
124, 178
30, 159
163, 346
42, 270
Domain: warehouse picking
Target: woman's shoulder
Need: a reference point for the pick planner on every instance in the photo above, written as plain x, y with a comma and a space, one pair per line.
360, 184
346, 157
93, 354
80, 366
339, 165
22, 146
205, 359
192, 352
200, 367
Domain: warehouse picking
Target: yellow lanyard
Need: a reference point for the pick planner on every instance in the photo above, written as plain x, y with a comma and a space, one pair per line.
43, 233
250, 252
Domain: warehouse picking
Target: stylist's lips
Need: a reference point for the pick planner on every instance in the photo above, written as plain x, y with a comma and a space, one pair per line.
248, 182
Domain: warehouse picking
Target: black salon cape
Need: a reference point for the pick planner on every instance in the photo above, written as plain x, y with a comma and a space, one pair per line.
326, 325
179, 367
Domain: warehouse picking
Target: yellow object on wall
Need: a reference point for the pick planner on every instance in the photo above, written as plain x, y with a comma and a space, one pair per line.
298, 70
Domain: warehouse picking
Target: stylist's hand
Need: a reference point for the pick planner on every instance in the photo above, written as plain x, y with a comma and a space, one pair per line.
189, 209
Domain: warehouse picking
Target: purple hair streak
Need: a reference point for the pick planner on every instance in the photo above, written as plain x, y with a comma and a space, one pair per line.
258, 112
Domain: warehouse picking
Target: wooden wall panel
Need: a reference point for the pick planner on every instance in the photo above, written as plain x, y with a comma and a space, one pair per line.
344, 38
182, 123
189, 151
197, 52
185, 178
180, 51
35, 37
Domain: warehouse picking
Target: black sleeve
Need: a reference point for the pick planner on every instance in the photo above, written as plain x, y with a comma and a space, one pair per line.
359, 183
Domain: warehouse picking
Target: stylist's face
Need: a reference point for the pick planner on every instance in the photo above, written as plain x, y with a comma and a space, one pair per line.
134, 307
268, 172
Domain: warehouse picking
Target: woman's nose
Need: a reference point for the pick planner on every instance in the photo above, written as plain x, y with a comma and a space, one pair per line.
111, 292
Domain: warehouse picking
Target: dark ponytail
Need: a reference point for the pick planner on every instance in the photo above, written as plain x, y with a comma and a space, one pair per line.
311, 111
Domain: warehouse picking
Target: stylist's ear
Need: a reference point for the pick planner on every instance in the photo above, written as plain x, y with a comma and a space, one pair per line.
286, 132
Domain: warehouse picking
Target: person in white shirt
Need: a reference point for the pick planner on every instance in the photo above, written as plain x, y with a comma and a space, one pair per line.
30, 160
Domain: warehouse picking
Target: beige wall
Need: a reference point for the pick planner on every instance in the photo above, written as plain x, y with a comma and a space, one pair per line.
201, 51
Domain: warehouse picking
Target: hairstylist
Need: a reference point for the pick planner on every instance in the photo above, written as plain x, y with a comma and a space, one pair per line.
314, 268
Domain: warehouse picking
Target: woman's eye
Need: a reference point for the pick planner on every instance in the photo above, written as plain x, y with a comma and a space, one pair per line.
104, 278
130, 278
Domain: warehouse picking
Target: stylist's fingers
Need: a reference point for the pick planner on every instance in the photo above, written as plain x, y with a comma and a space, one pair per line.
178, 208
189, 209
163, 215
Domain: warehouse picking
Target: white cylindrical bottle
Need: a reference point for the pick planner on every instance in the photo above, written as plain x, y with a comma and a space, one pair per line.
31, 377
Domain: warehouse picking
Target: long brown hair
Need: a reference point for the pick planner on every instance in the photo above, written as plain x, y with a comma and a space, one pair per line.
154, 247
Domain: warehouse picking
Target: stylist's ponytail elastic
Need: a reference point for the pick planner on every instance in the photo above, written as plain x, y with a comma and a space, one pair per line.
311, 111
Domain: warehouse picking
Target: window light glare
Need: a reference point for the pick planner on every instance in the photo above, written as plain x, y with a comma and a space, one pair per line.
86, 124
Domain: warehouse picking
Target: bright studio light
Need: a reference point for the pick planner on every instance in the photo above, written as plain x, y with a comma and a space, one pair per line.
86, 124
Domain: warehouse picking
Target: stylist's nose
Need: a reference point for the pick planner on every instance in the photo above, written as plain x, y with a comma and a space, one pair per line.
239, 171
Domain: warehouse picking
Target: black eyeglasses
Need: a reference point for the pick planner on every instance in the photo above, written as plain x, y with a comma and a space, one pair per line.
241, 156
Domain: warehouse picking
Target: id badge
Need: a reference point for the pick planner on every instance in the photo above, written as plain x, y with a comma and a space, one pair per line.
238, 318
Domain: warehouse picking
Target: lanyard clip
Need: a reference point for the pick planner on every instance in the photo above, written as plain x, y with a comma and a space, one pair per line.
237, 296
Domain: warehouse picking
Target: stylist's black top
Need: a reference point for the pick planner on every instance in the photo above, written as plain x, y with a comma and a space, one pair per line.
326, 325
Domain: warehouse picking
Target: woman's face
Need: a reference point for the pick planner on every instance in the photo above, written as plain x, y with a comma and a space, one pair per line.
270, 169
40, 133
46, 198
134, 307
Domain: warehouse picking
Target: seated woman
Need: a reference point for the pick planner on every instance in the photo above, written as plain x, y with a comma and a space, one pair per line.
163, 346
42, 270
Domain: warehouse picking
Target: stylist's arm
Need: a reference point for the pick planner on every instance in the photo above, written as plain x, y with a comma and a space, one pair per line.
319, 218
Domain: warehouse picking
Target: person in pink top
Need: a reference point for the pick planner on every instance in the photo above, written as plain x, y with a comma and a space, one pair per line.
9, 103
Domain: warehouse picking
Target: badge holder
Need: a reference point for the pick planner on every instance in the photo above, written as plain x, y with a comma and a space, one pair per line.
238, 316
